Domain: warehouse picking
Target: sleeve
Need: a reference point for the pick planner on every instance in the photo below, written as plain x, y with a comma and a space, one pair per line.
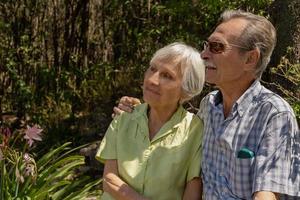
108, 145
277, 167
194, 167
203, 107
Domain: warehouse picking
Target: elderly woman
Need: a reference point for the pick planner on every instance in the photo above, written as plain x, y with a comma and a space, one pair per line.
155, 151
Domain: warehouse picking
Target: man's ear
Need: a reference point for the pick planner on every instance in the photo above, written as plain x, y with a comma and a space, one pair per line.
252, 58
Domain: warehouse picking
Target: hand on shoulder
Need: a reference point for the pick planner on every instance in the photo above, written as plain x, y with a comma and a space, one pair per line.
126, 104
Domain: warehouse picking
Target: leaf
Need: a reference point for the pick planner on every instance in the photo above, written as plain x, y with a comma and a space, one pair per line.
42, 162
81, 193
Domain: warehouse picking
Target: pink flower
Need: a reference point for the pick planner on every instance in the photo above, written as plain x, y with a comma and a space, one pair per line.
30, 166
33, 133
5, 132
27, 158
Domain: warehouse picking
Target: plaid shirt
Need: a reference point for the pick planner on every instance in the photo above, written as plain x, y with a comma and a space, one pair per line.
262, 123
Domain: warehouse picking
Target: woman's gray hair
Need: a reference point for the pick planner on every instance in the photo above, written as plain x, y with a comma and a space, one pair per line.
191, 67
259, 33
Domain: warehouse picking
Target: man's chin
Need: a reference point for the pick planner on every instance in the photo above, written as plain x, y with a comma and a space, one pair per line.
210, 83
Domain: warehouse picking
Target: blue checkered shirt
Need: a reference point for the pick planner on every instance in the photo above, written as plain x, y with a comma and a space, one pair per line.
262, 123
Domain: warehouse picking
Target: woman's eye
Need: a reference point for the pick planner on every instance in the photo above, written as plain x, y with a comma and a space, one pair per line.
167, 76
152, 69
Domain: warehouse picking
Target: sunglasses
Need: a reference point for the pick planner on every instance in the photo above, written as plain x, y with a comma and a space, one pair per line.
218, 47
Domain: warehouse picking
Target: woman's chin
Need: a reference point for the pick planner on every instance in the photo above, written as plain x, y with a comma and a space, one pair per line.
150, 98
150, 101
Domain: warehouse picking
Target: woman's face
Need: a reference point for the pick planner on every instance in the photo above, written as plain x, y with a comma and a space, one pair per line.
162, 85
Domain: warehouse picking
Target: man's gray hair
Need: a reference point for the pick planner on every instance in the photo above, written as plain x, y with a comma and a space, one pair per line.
259, 33
191, 67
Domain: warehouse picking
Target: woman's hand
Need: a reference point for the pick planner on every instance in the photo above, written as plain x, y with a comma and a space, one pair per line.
193, 190
115, 186
126, 104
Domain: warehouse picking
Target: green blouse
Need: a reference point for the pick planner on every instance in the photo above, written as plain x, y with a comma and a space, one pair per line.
160, 168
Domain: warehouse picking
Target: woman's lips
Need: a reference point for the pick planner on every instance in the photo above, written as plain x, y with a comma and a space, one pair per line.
152, 91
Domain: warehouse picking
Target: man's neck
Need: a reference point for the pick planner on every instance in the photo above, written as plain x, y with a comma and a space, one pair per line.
231, 93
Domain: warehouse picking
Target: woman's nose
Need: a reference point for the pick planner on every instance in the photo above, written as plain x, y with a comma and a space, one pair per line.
154, 78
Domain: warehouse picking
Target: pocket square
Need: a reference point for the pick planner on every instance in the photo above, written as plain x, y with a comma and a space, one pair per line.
245, 153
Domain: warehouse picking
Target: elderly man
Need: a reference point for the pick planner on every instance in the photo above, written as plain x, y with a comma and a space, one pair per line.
251, 146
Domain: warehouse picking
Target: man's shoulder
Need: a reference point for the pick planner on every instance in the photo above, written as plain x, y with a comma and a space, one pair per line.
206, 103
210, 97
212, 94
269, 98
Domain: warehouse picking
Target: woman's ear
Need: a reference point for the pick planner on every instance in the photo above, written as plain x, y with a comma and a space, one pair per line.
252, 59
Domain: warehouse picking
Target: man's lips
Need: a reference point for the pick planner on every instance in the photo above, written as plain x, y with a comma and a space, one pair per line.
210, 68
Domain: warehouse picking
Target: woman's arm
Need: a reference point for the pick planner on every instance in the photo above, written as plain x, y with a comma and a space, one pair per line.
115, 186
193, 190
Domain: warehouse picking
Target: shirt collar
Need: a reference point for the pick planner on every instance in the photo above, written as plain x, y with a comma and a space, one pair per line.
218, 98
249, 97
242, 104
141, 110
171, 124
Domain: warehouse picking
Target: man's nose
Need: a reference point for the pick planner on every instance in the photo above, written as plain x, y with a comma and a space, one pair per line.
205, 53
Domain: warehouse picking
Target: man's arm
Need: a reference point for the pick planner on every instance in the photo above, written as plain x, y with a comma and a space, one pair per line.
264, 195
276, 171
193, 190
126, 104
115, 186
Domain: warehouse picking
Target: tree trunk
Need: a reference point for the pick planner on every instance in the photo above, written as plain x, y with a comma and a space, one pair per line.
286, 18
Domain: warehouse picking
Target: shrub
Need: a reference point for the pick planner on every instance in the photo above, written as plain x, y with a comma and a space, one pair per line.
53, 176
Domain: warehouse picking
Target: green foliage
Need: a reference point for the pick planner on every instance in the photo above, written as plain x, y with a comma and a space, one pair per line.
286, 81
85, 57
296, 108
64, 64
53, 176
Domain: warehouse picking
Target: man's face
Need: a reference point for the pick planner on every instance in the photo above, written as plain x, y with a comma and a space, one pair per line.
225, 65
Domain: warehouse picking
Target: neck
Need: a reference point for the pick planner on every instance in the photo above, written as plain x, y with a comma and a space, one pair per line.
158, 117
231, 93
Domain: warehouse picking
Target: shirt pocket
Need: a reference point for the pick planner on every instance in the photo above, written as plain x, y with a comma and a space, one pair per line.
241, 177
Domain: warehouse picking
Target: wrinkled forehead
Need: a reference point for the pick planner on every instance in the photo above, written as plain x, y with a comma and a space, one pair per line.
230, 30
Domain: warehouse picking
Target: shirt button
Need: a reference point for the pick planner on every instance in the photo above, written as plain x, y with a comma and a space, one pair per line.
146, 153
